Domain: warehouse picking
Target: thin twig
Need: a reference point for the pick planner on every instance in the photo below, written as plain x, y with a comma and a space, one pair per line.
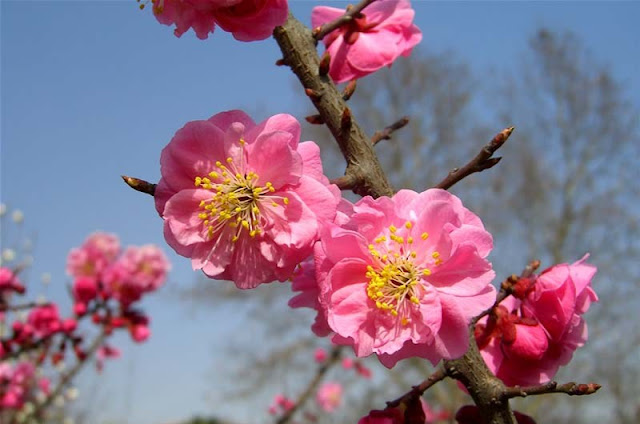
334, 356
66, 378
6, 308
417, 391
482, 161
140, 185
571, 389
346, 182
320, 32
385, 134
505, 288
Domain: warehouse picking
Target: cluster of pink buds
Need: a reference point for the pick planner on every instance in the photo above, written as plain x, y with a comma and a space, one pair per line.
281, 404
102, 274
19, 384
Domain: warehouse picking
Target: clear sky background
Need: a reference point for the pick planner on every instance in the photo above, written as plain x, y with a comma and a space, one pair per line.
92, 90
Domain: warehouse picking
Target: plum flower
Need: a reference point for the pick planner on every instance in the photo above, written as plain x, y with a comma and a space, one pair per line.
94, 256
244, 201
247, 20
525, 341
373, 39
405, 276
329, 396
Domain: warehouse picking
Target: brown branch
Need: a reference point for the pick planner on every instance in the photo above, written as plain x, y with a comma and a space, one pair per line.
66, 378
417, 391
320, 32
363, 166
571, 389
479, 163
140, 185
386, 133
5, 308
334, 357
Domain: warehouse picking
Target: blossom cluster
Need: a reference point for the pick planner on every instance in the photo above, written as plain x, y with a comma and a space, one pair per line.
529, 336
107, 284
101, 272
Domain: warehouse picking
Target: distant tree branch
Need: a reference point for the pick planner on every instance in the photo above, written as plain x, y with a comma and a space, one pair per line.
320, 32
4, 308
385, 134
333, 358
479, 163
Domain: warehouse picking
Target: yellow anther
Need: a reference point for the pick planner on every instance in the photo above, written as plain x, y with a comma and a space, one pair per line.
271, 189
369, 268
435, 255
413, 254
238, 209
285, 200
203, 215
218, 163
438, 261
393, 229
425, 236
371, 247
238, 176
227, 180
253, 233
229, 160
394, 312
410, 240
202, 203
198, 181
415, 300
384, 258
245, 224
241, 141
426, 271
255, 210
404, 321
274, 204
234, 239
408, 225
213, 174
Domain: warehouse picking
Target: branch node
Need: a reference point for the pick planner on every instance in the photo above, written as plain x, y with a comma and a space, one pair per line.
349, 90
314, 119
313, 94
323, 67
345, 120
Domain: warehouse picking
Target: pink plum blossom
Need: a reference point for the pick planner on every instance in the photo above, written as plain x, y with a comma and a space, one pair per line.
9, 282
405, 276
329, 396
247, 20
374, 39
525, 341
16, 382
93, 257
45, 320
417, 411
244, 201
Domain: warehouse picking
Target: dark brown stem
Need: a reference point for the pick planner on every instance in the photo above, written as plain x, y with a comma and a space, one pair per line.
482, 161
334, 357
363, 166
571, 389
344, 183
29, 305
485, 388
320, 32
140, 185
417, 391
385, 134
506, 286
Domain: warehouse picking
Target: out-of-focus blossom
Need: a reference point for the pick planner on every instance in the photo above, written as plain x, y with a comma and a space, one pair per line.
247, 20
329, 396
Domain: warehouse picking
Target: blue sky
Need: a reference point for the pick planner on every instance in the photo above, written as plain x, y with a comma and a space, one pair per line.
91, 90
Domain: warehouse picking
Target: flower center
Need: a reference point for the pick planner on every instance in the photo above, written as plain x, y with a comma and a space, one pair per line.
237, 200
395, 279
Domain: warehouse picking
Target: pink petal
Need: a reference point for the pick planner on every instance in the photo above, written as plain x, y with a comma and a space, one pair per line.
318, 197
181, 214
273, 159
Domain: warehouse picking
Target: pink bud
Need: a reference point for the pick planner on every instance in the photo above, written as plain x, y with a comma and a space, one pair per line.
320, 355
